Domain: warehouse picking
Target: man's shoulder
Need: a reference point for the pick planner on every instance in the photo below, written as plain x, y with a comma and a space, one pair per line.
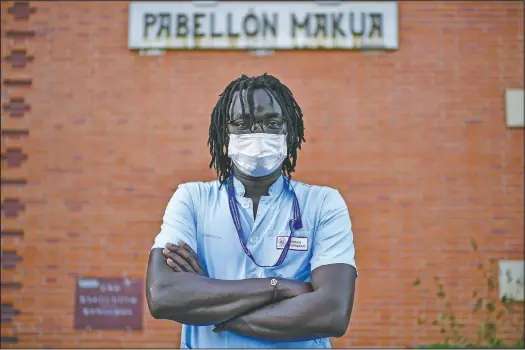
198, 188
321, 197
317, 190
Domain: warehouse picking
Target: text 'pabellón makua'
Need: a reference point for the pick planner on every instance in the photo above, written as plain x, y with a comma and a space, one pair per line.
266, 25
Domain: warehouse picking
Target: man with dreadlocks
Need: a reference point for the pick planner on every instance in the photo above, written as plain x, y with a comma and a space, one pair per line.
254, 259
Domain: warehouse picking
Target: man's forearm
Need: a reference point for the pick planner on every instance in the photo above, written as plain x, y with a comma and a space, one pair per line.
193, 299
308, 316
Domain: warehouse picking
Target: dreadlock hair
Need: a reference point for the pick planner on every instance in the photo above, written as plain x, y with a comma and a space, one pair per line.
219, 136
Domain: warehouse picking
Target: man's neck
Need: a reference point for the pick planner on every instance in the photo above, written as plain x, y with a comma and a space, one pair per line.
256, 186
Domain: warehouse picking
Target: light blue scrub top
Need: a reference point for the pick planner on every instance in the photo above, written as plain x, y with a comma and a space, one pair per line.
198, 214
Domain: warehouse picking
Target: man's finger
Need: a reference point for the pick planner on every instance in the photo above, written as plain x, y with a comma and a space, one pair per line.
190, 259
173, 266
183, 249
183, 264
171, 246
166, 252
219, 327
181, 253
195, 256
187, 247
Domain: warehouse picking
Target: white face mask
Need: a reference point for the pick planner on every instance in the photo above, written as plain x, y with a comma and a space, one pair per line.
257, 154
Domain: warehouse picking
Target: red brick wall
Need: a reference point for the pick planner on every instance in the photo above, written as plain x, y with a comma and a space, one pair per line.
414, 139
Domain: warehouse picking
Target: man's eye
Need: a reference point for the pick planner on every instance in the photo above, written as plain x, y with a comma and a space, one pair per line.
241, 124
274, 125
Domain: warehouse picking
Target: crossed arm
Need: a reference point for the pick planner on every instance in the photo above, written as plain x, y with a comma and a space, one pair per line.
302, 310
248, 307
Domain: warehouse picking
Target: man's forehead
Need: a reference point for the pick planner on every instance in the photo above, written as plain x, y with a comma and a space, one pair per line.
259, 95
263, 103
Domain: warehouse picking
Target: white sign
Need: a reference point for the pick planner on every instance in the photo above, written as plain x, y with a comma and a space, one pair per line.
263, 25
511, 280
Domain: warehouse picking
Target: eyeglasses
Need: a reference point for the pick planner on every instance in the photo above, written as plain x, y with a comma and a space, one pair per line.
267, 126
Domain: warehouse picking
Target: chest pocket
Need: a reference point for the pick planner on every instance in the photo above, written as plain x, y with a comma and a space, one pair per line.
296, 265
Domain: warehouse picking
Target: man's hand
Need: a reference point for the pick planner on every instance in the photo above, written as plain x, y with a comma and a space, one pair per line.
181, 258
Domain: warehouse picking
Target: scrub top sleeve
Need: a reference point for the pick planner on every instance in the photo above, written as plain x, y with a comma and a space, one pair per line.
179, 222
333, 239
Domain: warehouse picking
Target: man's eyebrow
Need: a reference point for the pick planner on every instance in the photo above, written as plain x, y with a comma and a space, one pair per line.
248, 116
240, 116
274, 115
